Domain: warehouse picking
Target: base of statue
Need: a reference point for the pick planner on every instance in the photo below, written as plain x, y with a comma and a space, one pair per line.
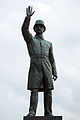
43, 118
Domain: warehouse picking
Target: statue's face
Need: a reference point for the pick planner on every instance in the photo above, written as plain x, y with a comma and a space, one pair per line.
39, 29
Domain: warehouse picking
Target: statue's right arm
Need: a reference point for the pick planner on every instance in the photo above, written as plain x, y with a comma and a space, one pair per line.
25, 27
25, 30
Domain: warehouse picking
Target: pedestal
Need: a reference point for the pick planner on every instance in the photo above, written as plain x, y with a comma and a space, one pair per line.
43, 118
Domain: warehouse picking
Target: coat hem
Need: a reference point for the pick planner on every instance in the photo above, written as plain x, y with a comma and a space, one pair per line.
41, 89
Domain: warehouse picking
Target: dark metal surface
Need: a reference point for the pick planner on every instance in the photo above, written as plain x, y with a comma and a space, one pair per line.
43, 118
42, 63
42, 71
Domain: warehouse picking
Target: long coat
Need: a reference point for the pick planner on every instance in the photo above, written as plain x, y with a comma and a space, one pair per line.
42, 63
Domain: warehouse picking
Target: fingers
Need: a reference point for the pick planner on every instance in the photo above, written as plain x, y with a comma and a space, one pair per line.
55, 79
33, 12
26, 10
29, 11
31, 8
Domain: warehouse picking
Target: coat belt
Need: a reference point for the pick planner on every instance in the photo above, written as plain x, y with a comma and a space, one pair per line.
39, 56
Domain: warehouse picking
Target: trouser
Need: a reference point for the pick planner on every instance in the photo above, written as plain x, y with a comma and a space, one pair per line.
47, 102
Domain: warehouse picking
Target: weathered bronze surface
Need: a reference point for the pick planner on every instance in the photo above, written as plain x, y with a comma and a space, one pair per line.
42, 64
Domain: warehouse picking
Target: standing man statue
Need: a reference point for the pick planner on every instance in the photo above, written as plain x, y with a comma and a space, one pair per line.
42, 70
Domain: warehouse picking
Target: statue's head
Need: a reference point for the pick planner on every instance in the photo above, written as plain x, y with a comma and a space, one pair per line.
39, 26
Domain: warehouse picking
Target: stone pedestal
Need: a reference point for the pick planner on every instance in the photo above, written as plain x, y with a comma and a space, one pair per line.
43, 118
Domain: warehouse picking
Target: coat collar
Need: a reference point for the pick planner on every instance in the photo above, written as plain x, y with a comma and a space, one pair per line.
39, 37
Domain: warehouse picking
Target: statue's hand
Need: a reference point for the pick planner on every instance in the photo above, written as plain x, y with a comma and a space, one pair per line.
29, 11
55, 78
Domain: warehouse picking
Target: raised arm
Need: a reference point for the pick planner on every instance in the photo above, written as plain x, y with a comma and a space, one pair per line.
25, 27
52, 61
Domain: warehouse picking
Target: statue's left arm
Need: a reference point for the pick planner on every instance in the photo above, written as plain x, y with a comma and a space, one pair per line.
52, 61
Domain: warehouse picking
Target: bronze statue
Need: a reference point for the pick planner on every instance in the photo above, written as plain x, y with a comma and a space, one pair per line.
42, 65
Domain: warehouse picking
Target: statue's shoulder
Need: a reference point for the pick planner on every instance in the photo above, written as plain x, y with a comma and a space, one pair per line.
48, 42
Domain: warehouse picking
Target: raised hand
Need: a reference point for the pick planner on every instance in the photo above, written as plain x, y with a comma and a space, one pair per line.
29, 11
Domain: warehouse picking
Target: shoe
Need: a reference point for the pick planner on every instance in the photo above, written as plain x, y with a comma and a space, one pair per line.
30, 115
49, 115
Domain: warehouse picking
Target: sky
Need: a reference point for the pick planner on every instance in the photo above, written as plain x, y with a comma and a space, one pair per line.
62, 21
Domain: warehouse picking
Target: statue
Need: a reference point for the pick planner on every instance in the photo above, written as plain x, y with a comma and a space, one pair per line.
42, 70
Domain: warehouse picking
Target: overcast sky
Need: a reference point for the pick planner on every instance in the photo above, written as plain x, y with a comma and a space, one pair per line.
62, 21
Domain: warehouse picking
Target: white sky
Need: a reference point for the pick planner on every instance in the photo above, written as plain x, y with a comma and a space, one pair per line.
62, 20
